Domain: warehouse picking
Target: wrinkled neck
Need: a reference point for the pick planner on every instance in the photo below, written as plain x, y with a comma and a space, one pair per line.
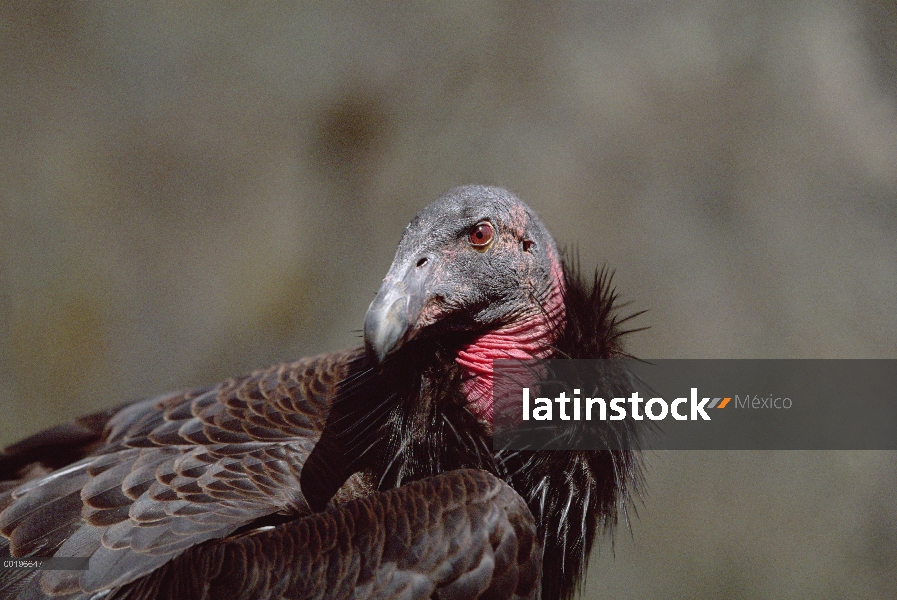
528, 338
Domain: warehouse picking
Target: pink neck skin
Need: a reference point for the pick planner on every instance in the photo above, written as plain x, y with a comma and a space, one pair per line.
527, 339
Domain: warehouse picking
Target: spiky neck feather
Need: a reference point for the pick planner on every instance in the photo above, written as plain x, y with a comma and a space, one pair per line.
575, 494
572, 494
413, 419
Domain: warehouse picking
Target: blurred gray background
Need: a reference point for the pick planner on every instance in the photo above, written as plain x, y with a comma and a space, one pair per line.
190, 192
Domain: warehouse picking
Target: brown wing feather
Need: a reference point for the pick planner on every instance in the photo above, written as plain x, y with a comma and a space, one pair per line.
463, 534
158, 476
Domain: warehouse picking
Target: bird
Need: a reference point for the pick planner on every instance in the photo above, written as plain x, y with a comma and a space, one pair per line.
367, 472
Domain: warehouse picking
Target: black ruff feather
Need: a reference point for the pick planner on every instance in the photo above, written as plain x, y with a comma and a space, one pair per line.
410, 420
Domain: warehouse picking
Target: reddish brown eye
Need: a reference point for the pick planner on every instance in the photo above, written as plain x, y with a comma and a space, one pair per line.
481, 235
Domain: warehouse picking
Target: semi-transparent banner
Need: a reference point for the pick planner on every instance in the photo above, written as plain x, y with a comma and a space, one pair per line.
725, 404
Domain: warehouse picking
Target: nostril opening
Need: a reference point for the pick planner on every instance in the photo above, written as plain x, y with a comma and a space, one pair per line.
422, 262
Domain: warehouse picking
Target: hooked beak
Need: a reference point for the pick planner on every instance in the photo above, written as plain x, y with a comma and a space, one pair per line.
392, 317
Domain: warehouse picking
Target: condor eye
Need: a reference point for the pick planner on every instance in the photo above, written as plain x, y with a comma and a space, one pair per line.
480, 235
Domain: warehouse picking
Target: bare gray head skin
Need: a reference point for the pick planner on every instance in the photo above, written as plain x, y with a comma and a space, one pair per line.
448, 275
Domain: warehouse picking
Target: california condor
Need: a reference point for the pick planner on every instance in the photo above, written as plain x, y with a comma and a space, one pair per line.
365, 473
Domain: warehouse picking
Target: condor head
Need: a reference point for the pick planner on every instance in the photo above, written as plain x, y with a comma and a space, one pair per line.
477, 260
